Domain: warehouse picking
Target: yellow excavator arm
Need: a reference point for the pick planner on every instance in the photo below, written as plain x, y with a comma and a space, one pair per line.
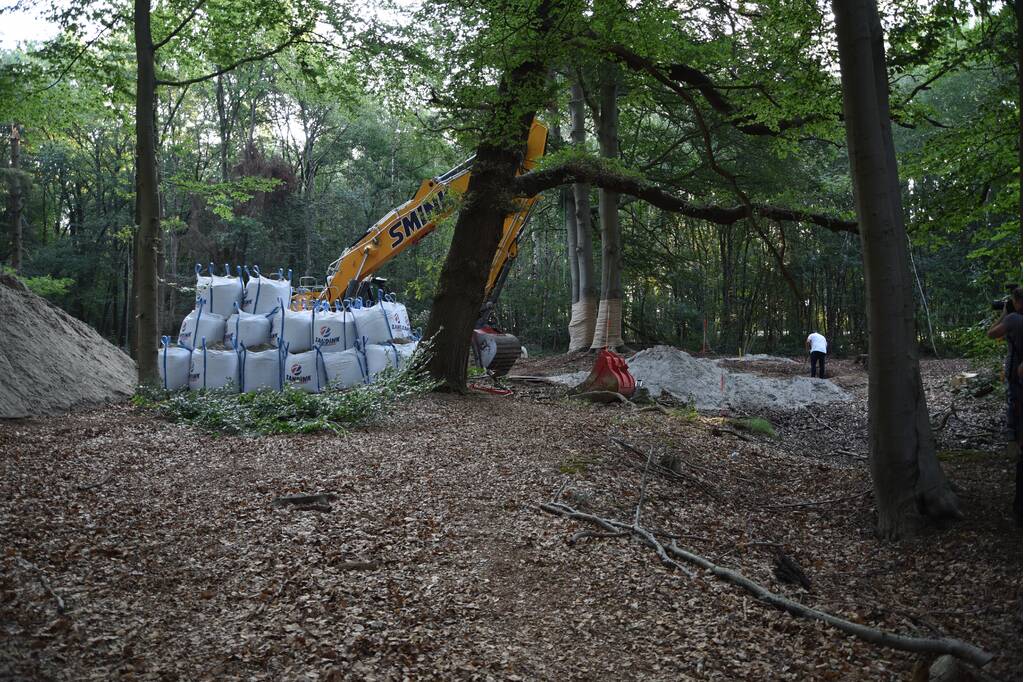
415, 219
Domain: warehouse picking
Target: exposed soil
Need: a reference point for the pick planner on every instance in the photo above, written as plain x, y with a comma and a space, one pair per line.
51, 362
434, 561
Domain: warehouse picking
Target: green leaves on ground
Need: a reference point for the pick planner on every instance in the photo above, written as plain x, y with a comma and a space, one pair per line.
288, 411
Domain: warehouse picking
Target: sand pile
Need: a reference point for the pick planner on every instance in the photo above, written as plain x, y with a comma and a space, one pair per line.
709, 387
50, 362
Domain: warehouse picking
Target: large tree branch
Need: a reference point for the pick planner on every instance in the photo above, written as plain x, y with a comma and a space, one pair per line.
177, 29
570, 172
294, 38
680, 77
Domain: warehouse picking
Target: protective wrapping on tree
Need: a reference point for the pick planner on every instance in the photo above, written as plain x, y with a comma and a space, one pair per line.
292, 329
344, 369
608, 327
581, 324
262, 294
246, 329
383, 321
212, 368
218, 294
174, 365
260, 370
305, 371
334, 330
200, 324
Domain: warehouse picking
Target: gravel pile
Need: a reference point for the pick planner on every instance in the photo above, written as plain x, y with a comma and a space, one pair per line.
709, 386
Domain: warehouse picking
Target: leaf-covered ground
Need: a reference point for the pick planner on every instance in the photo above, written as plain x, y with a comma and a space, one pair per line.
435, 561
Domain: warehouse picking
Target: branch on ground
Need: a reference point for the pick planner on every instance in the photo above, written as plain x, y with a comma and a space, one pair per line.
944, 645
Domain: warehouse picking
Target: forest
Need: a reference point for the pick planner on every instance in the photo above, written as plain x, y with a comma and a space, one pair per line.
721, 181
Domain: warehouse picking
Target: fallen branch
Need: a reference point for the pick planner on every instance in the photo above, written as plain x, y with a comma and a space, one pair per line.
814, 503
319, 500
817, 419
615, 527
44, 582
693, 479
719, 430
655, 408
603, 397
583, 534
83, 488
945, 645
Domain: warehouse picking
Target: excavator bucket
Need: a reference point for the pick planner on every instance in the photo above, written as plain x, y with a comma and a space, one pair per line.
610, 373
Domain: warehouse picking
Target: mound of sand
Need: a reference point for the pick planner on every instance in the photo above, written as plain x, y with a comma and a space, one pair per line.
50, 362
710, 387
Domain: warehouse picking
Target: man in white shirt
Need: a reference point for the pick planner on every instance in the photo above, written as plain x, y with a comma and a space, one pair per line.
818, 347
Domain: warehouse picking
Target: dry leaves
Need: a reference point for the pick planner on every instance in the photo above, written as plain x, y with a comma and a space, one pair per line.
432, 560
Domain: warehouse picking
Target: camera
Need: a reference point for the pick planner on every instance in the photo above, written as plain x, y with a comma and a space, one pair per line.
1001, 305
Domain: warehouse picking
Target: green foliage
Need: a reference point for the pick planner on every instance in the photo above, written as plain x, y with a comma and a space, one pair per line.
754, 425
44, 285
972, 342
291, 410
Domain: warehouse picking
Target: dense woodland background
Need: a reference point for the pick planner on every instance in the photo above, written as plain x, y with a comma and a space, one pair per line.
285, 160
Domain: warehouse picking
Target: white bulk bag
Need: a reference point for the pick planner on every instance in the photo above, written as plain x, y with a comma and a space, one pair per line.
383, 321
292, 329
403, 352
377, 358
344, 369
198, 325
263, 293
334, 331
203, 285
244, 328
174, 364
305, 371
219, 294
213, 369
259, 370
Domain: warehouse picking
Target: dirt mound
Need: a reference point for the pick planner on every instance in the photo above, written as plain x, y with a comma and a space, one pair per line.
710, 386
49, 361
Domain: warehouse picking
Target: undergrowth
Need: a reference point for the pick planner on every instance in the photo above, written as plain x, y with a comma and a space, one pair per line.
292, 410
754, 424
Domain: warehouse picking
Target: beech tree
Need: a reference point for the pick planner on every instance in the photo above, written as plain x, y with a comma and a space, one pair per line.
910, 487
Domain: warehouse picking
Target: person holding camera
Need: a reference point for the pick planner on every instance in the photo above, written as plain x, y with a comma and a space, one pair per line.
1009, 327
818, 348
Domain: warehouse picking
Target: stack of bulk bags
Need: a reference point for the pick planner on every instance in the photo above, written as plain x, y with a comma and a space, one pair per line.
334, 331
262, 294
403, 352
305, 371
246, 329
212, 368
383, 321
344, 369
174, 363
292, 329
378, 357
260, 370
198, 325
219, 295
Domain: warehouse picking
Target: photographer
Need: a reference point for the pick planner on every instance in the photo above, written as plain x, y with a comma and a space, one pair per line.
1009, 327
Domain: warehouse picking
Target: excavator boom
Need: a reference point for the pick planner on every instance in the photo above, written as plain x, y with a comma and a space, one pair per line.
404, 226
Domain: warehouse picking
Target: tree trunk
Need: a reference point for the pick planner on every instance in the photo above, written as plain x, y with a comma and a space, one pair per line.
14, 200
147, 201
584, 309
910, 487
608, 327
460, 289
